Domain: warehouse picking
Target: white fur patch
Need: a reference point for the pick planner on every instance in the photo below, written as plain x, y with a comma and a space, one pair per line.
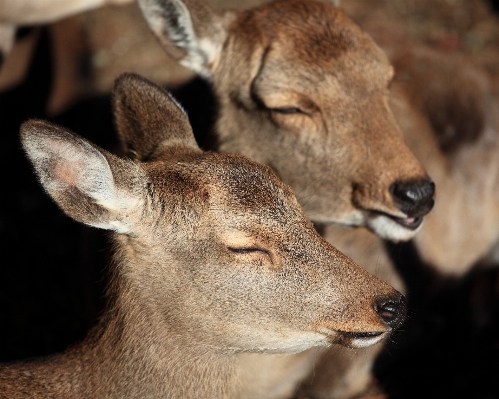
367, 341
363, 342
388, 229
295, 342
383, 226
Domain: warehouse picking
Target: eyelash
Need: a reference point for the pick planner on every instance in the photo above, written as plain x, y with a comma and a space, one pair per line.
287, 111
250, 250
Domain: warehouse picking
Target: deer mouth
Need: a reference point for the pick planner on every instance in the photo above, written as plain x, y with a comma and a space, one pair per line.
360, 339
393, 228
409, 223
355, 339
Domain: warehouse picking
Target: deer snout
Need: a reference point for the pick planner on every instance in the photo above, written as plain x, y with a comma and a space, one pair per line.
391, 310
415, 199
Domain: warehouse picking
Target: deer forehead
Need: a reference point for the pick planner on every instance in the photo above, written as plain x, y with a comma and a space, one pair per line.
230, 184
358, 70
279, 16
323, 55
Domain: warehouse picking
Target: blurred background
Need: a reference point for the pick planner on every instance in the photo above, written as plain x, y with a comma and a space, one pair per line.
53, 270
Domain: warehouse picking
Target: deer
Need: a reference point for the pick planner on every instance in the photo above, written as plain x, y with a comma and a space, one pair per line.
302, 89
213, 259
446, 105
27, 12
455, 105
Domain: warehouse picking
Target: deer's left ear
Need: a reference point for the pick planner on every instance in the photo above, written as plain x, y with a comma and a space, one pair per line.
89, 184
148, 119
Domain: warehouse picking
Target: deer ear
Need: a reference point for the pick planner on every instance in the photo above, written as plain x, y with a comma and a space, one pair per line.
89, 184
192, 32
147, 118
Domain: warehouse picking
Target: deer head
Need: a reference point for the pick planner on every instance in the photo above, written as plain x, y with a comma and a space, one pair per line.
302, 89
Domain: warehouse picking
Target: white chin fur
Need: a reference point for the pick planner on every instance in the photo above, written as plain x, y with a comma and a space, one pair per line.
365, 342
294, 342
386, 228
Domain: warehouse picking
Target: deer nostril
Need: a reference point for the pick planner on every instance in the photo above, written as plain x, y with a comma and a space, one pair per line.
391, 310
415, 199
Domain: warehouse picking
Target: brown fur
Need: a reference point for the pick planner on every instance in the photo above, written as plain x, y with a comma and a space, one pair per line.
214, 258
443, 109
446, 102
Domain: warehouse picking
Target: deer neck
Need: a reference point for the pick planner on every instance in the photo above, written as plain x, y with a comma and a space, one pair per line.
143, 346
134, 353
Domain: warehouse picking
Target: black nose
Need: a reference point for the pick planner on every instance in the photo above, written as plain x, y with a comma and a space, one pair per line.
415, 199
391, 310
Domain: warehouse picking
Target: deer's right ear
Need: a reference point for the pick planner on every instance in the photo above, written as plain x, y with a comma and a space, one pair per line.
148, 119
89, 184
191, 31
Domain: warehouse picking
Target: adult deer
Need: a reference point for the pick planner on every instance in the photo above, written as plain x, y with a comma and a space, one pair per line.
24, 12
213, 258
446, 107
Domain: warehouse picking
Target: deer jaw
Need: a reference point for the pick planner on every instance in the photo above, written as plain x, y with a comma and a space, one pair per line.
302, 89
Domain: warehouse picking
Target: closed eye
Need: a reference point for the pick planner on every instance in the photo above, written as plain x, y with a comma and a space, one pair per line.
278, 110
287, 110
248, 250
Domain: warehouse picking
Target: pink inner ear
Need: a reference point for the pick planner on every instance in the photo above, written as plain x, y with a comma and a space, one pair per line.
67, 172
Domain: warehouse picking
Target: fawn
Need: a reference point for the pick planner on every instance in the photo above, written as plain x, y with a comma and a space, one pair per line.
214, 258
